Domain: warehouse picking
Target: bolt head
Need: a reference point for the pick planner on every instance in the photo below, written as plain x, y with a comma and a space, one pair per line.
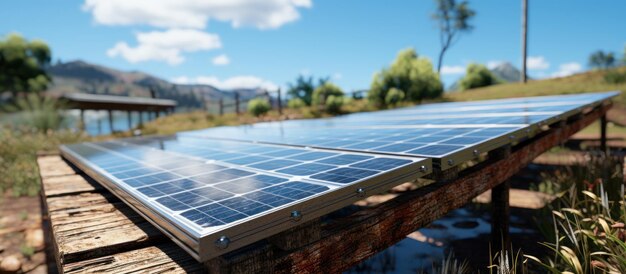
222, 242
423, 168
296, 215
475, 152
450, 162
360, 192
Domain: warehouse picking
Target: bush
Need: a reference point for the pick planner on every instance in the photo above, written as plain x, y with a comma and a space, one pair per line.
394, 96
615, 77
477, 76
409, 73
296, 103
333, 104
321, 93
258, 106
38, 112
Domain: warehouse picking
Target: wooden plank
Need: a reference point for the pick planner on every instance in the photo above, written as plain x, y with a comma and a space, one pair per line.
347, 241
164, 258
69, 184
54, 165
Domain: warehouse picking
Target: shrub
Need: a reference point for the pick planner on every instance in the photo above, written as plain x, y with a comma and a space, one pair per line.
296, 103
36, 111
258, 106
477, 76
321, 93
333, 104
409, 73
394, 96
615, 77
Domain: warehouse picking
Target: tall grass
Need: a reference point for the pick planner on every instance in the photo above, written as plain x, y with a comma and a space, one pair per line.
587, 220
36, 111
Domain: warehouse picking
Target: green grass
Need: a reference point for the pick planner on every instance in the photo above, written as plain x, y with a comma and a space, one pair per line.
592, 81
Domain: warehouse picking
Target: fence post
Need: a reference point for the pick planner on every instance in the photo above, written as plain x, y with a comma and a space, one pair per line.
280, 103
221, 106
237, 102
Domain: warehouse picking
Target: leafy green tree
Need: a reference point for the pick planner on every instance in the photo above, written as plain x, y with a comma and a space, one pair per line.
476, 76
22, 65
453, 19
303, 88
602, 60
333, 104
408, 73
322, 92
394, 96
258, 106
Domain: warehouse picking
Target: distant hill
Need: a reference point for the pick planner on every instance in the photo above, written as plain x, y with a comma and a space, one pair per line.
504, 71
82, 77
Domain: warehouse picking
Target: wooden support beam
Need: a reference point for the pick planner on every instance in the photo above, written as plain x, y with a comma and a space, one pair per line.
500, 214
130, 120
603, 123
221, 105
140, 118
110, 112
237, 102
280, 102
82, 119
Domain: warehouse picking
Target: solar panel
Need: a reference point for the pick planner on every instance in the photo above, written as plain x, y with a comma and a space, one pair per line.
218, 189
205, 193
450, 133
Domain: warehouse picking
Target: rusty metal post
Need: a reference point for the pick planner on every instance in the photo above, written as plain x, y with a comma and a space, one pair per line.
603, 146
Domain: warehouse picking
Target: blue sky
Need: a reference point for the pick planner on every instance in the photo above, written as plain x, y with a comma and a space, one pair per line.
269, 43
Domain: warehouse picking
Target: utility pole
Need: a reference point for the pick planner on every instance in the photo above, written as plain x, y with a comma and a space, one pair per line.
524, 38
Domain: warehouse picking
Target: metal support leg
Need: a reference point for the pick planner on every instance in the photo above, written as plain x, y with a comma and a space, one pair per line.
500, 216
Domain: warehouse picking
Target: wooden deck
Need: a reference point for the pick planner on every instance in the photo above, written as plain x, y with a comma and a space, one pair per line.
93, 231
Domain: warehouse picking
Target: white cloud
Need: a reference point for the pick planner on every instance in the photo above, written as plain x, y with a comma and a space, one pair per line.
448, 70
537, 63
165, 46
195, 14
244, 81
337, 76
568, 69
495, 63
221, 60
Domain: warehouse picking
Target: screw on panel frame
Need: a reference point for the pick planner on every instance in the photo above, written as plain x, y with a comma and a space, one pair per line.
423, 168
360, 192
222, 242
296, 215
450, 162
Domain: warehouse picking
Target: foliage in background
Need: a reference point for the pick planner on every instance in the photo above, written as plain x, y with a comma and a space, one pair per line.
304, 87
615, 77
333, 104
588, 234
602, 60
394, 96
476, 76
296, 103
408, 73
259, 106
37, 111
18, 152
22, 65
323, 92
453, 20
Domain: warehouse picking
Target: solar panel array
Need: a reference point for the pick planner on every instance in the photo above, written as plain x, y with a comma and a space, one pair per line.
217, 189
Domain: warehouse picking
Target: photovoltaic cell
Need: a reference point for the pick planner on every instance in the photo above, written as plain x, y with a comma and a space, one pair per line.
246, 182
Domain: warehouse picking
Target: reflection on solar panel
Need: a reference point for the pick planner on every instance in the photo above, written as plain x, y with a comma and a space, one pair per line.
218, 189
450, 133
200, 190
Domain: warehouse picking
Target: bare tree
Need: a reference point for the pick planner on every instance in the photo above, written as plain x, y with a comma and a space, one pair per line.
453, 19
524, 38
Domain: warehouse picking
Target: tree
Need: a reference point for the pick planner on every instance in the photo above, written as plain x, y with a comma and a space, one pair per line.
22, 65
477, 76
394, 96
303, 88
408, 73
322, 92
602, 60
453, 19
258, 106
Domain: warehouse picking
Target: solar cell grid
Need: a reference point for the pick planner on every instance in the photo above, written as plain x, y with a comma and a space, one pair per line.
245, 182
